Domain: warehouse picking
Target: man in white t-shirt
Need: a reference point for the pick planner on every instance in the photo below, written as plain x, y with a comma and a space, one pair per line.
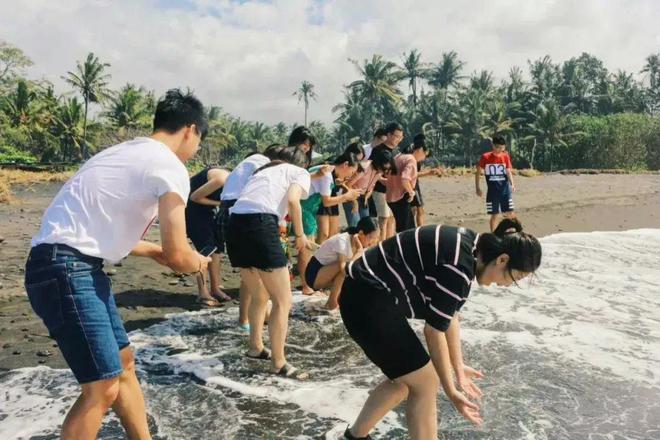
102, 213
380, 136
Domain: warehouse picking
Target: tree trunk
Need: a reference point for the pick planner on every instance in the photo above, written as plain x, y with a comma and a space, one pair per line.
84, 143
531, 161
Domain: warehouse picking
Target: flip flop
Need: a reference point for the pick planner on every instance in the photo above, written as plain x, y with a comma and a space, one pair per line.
263, 356
208, 303
292, 372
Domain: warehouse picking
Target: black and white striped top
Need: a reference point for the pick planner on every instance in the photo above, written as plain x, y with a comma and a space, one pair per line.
428, 271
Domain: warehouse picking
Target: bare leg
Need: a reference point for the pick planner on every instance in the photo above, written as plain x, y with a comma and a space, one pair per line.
202, 290
278, 287
419, 216
391, 226
331, 275
214, 275
85, 416
334, 226
383, 399
244, 304
303, 259
382, 225
494, 221
421, 388
129, 405
257, 310
323, 222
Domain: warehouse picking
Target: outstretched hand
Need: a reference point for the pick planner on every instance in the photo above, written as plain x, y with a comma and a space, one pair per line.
469, 410
466, 384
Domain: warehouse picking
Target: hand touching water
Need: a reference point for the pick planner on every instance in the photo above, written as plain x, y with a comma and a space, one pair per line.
466, 384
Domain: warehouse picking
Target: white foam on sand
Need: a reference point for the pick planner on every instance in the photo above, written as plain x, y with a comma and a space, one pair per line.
34, 401
595, 302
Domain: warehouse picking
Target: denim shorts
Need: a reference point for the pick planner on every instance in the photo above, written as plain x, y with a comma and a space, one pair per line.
72, 295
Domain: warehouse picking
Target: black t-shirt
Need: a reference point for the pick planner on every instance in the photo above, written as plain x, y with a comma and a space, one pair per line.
428, 271
380, 187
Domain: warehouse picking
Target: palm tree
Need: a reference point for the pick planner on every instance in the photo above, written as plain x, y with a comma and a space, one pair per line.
469, 123
68, 130
413, 69
446, 73
548, 129
378, 86
305, 93
652, 68
129, 109
92, 82
19, 105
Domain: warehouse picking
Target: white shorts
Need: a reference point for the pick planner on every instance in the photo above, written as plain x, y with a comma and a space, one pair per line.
382, 208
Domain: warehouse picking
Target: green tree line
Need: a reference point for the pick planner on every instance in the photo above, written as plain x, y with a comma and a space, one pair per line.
574, 114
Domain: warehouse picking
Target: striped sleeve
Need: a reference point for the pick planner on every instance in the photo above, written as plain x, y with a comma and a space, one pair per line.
446, 293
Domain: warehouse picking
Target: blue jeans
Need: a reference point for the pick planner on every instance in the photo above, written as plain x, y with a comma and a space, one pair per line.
72, 295
352, 219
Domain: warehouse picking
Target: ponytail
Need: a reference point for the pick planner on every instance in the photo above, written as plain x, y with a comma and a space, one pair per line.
524, 250
366, 225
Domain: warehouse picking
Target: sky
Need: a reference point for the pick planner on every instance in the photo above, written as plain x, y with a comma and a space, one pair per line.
249, 56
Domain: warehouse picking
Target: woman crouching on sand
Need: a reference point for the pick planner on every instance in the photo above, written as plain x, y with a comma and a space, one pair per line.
253, 245
326, 269
426, 273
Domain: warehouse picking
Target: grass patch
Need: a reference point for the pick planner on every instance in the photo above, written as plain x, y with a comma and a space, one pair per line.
5, 192
527, 172
9, 177
13, 177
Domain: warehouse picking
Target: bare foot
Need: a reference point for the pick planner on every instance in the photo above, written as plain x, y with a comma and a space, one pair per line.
221, 296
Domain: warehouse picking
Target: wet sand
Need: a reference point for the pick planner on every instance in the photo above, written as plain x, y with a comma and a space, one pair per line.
146, 292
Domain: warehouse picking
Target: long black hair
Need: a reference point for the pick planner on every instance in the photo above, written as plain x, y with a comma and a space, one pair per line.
355, 148
299, 136
366, 225
524, 250
348, 157
285, 154
380, 158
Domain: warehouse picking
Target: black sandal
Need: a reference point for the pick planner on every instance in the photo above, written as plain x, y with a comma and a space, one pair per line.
263, 356
292, 372
349, 436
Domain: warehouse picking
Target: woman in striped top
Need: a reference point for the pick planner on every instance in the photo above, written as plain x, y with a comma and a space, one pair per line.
425, 273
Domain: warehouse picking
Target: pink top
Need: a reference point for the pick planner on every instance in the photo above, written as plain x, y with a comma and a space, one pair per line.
406, 167
367, 179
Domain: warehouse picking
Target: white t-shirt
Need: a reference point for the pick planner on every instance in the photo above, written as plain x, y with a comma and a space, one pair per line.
108, 205
321, 185
367, 150
240, 175
333, 247
266, 191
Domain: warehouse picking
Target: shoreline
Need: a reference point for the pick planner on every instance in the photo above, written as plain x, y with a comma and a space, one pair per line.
146, 292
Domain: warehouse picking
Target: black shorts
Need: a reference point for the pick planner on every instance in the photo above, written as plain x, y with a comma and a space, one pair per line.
223, 214
418, 200
403, 215
498, 202
312, 271
329, 210
381, 329
253, 240
204, 228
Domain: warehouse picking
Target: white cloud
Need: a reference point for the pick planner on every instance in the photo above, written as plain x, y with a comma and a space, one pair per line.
250, 56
